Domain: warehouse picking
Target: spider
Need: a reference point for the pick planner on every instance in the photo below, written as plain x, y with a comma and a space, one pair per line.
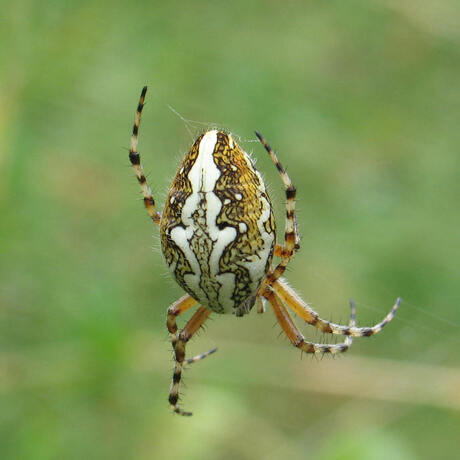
218, 238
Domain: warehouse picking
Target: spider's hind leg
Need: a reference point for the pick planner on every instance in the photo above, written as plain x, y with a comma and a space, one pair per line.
295, 303
296, 337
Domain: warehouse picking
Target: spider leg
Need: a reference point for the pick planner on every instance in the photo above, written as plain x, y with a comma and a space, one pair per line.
279, 250
200, 357
135, 159
295, 303
291, 233
179, 342
260, 303
177, 308
296, 337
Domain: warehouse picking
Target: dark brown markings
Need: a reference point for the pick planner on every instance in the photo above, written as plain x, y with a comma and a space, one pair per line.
237, 177
134, 158
290, 192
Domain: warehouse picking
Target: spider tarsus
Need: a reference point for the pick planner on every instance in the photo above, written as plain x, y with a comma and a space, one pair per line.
179, 411
184, 413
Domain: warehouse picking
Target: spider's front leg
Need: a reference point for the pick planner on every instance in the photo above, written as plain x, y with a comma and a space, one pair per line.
179, 342
291, 233
135, 160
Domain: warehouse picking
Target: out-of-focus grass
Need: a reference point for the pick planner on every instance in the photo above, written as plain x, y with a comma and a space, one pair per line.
361, 100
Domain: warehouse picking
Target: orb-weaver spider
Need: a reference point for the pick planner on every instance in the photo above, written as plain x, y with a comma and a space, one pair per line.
218, 238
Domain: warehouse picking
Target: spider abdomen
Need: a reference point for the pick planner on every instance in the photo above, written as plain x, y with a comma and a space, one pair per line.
218, 228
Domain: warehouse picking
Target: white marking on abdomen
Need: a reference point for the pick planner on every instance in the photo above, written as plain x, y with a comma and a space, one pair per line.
203, 177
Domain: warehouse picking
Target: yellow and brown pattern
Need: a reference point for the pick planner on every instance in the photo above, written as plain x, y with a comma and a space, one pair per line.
244, 206
246, 202
180, 190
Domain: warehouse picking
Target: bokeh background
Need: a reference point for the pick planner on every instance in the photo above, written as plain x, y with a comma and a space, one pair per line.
361, 100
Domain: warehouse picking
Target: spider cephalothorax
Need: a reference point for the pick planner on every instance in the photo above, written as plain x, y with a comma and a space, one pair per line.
218, 238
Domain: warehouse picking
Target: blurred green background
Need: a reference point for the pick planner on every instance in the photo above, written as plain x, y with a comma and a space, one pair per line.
361, 100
